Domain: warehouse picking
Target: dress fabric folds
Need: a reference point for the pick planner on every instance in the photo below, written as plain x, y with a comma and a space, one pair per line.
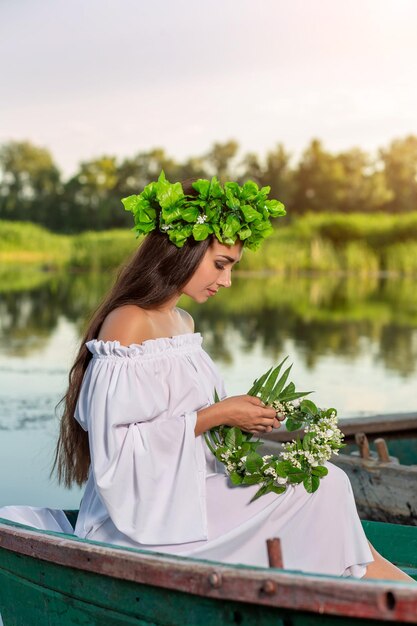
154, 485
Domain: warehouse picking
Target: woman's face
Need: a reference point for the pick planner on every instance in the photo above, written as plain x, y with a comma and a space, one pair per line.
214, 271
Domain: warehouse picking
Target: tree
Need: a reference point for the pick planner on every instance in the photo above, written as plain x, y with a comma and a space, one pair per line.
29, 182
318, 180
400, 166
219, 159
364, 184
88, 202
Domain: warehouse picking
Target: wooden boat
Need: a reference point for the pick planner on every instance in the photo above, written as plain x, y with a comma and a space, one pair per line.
383, 480
50, 579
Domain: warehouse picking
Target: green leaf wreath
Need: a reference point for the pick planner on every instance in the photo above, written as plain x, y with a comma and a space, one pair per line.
301, 460
230, 212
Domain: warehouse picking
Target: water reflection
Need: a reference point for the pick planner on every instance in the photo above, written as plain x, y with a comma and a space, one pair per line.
353, 340
325, 315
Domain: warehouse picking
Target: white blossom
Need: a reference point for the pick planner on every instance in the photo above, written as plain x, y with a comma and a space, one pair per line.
201, 219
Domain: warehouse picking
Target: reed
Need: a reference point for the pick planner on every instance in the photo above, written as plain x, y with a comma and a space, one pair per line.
325, 242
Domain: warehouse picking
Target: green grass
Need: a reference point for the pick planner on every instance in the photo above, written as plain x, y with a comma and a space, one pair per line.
325, 242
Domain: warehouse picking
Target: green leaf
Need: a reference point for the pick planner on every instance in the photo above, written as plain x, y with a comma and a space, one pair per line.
306, 441
189, 213
253, 462
296, 475
291, 424
233, 438
231, 226
201, 231
130, 203
202, 186
289, 389
293, 396
308, 405
244, 233
216, 396
169, 194
262, 491
268, 385
253, 391
275, 207
319, 471
236, 478
249, 213
311, 483
251, 479
209, 444
280, 384
278, 488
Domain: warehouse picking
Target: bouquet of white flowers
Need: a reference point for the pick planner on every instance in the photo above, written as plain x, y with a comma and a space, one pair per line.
301, 460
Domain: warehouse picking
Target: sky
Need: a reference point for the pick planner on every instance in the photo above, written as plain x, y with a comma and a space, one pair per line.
91, 77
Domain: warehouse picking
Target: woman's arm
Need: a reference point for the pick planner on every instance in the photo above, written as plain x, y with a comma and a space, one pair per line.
246, 412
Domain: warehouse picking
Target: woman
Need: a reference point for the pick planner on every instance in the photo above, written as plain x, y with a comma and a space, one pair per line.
142, 393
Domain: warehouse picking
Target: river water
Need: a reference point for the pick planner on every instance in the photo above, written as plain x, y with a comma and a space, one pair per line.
352, 340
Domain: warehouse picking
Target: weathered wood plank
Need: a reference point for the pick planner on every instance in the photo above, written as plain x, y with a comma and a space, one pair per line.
303, 592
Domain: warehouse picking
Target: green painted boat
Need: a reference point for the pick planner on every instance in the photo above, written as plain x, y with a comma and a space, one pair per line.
51, 579
380, 459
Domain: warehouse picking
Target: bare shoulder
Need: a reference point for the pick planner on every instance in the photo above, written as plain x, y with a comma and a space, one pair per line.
187, 319
126, 324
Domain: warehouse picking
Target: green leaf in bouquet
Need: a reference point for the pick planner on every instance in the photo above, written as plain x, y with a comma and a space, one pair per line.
307, 440
282, 468
293, 424
328, 412
257, 385
251, 479
278, 489
311, 483
296, 475
219, 452
233, 438
309, 406
253, 462
319, 471
293, 396
290, 388
236, 478
209, 443
280, 384
268, 385
261, 492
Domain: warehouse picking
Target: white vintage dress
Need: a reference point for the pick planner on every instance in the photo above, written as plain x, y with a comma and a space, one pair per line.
154, 485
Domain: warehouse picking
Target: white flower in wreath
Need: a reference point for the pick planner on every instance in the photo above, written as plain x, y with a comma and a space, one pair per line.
201, 219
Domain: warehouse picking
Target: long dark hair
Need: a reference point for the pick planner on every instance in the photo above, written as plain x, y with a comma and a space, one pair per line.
156, 273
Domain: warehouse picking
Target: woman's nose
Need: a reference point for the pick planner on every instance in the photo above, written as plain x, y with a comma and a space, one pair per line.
226, 280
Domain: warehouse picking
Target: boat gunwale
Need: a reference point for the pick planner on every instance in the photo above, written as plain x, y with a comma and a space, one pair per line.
401, 424
285, 589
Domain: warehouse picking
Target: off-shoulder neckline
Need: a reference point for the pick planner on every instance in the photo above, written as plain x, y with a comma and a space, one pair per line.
101, 348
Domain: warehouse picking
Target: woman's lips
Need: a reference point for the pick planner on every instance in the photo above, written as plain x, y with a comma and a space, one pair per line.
211, 292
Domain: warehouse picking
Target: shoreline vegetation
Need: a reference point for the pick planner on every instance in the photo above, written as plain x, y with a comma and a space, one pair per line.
320, 242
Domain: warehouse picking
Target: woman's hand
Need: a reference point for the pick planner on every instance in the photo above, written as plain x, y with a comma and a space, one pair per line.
245, 412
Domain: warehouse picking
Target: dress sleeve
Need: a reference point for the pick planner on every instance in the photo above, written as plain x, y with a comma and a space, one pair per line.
148, 466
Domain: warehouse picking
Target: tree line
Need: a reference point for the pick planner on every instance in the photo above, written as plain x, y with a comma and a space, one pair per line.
33, 189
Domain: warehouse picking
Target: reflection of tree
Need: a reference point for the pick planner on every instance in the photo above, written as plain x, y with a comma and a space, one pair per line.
326, 315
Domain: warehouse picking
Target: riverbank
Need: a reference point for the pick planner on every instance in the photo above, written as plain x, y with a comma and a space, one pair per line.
324, 242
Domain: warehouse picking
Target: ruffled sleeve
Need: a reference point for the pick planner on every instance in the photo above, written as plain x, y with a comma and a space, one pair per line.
139, 407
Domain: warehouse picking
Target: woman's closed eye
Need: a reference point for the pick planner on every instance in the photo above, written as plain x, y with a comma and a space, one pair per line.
219, 266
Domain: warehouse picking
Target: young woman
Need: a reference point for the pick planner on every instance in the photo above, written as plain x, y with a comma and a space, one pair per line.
141, 394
